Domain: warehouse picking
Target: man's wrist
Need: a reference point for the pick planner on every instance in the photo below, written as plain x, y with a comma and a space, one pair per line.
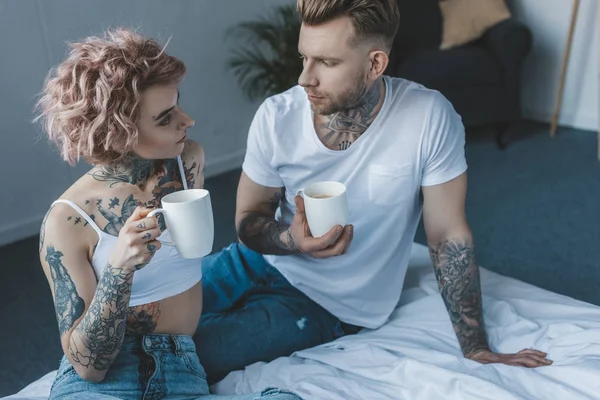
287, 239
476, 350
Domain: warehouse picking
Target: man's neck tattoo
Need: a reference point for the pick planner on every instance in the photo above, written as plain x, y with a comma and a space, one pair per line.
340, 130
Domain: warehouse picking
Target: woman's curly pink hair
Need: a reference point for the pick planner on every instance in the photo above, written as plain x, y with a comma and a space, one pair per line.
90, 102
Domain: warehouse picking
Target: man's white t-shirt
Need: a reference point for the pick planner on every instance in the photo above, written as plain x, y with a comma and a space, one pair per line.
417, 139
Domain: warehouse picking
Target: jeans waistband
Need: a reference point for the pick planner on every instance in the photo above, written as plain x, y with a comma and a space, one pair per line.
160, 342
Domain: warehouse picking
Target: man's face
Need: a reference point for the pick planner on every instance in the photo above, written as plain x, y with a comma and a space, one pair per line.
335, 74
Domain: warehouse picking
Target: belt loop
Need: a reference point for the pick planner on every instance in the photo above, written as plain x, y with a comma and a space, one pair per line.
176, 344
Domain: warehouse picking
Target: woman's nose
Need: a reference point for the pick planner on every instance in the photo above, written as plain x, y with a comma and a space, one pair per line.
187, 122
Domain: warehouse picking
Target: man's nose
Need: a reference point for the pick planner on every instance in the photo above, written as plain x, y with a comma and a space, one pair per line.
307, 78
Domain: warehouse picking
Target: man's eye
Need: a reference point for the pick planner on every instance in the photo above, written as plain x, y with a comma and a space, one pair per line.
165, 121
326, 63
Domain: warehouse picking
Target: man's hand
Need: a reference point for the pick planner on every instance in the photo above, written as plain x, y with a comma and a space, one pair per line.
334, 243
525, 358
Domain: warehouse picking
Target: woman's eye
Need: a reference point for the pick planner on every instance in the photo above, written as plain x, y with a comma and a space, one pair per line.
165, 121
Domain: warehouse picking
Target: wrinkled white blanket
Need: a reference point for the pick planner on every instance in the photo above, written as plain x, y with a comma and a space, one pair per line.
416, 355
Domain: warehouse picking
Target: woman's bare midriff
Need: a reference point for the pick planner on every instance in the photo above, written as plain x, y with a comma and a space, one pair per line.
177, 315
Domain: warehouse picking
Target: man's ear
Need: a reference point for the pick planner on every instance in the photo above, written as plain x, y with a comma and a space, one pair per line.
379, 62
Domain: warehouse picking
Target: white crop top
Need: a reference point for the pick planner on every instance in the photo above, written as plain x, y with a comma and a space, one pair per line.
166, 275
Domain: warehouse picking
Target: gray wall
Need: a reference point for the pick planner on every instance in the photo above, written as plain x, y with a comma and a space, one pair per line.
549, 21
32, 39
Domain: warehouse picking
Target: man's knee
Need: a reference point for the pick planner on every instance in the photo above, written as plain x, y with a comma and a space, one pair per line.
234, 256
215, 261
263, 329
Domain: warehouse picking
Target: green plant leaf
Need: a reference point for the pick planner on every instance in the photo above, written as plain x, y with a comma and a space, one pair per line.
266, 61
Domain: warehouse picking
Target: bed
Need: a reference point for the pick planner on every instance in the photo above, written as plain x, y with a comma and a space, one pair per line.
416, 355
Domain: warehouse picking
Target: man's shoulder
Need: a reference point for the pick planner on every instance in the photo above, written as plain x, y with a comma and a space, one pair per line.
287, 103
416, 102
413, 94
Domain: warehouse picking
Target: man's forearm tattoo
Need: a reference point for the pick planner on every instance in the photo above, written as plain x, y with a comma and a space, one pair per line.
263, 233
458, 279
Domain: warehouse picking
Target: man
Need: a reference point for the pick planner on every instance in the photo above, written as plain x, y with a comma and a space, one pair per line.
399, 149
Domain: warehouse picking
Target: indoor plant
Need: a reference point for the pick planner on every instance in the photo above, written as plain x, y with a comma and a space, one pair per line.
267, 60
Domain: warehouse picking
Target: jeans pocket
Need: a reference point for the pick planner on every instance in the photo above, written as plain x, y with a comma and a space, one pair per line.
192, 362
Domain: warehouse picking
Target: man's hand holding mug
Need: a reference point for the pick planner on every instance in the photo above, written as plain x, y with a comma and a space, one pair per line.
319, 227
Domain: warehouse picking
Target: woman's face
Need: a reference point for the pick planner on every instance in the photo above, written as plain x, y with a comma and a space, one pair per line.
162, 124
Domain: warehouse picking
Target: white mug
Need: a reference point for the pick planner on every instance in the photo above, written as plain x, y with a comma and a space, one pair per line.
325, 206
189, 218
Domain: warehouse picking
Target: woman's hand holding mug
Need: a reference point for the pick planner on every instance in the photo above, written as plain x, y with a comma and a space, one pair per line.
189, 219
137, 242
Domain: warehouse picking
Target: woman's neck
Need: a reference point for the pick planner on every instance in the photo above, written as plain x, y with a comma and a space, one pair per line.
133, 169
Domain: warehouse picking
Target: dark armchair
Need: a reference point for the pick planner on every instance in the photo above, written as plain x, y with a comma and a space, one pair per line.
481, 79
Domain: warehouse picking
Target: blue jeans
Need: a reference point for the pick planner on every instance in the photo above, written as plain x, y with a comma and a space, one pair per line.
252, 313
150, 367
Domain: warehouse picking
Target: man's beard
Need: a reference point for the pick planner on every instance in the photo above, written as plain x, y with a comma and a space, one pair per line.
348, 100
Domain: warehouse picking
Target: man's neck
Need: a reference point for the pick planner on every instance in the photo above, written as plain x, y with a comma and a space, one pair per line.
340, 130
134, 170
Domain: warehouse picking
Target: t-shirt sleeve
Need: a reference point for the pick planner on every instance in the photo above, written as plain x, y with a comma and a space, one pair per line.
258, 161
444, 147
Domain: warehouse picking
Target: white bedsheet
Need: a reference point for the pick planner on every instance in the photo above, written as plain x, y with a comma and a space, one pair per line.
416, 355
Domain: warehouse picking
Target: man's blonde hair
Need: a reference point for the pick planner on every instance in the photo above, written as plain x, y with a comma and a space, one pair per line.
372, 19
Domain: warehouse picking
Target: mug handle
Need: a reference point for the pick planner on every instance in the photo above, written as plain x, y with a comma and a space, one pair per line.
164, 212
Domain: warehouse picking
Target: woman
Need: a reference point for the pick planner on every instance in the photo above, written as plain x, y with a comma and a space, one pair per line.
126, 308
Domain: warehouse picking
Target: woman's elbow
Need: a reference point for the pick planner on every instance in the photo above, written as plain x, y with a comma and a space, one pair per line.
90, 375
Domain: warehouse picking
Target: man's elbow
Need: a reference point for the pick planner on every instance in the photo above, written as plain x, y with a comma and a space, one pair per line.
458, 232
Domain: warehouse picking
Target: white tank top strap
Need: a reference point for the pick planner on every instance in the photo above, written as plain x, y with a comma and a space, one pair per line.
82, 213
182, 173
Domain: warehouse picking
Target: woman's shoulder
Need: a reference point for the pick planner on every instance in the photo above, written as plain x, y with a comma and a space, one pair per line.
78, 206
83, 192
192, 152
67, 218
